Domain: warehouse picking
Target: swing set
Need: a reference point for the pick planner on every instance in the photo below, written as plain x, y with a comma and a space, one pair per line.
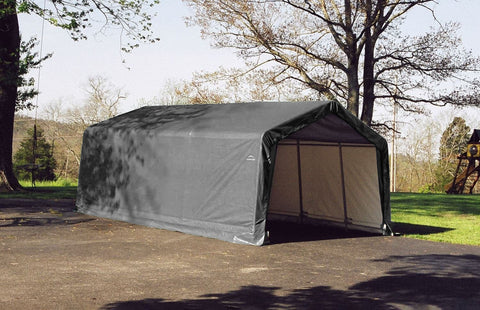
467, 173
33, 166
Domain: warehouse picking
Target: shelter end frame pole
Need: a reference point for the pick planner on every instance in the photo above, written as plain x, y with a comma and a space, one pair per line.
300, 187
346, 220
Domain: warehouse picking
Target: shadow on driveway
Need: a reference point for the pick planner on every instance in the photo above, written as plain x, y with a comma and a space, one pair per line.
39, 212
422, 281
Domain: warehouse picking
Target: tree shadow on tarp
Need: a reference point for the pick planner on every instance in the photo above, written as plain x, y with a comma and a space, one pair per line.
413, 282
115, 152
286, 232
414, 229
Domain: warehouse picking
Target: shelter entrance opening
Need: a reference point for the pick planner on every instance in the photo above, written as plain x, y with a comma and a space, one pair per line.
321, 176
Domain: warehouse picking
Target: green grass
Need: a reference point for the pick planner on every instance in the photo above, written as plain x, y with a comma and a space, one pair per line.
60, 189
437, 217
56, 183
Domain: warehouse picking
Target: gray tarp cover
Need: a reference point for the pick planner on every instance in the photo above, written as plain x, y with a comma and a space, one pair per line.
202, 169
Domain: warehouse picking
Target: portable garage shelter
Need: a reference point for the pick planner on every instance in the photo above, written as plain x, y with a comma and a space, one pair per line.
219, 170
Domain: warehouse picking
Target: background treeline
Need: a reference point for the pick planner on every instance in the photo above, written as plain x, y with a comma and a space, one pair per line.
426, 147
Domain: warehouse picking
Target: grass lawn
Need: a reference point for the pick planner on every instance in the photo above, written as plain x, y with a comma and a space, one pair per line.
437, 217
61, 189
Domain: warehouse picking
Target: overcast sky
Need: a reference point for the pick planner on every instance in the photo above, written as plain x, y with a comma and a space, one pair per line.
180, 52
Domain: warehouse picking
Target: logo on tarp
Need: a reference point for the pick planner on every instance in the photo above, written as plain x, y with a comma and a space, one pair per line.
251, 157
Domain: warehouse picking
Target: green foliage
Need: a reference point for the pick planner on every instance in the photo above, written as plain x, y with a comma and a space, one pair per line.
23, 159
15, 67
454, 139
444, 174
437, 217
133, 17
453, 142
29, 59
427, 189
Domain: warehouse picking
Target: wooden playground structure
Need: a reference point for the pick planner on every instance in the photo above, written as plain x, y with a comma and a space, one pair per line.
468, 168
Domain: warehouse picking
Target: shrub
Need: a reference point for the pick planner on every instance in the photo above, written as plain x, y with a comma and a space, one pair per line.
42, 165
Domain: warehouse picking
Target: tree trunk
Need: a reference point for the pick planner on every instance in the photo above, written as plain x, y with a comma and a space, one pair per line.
350, 50
368, 82
368, 94
9, 61
353, 90
368, 70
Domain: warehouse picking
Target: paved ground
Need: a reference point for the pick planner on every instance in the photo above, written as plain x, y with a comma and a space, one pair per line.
53, 258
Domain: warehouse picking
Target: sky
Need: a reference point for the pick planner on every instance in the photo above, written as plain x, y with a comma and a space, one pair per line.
180, 52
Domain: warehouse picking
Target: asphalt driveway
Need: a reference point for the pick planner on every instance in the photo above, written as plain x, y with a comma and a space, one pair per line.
54, 258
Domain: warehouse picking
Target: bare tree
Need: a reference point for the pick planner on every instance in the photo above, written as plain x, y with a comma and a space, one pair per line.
418, 160
103, 101
67, 138
228, 85
349, 50
66, 126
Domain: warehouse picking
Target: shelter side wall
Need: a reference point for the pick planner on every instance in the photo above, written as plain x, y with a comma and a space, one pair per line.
199, 185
